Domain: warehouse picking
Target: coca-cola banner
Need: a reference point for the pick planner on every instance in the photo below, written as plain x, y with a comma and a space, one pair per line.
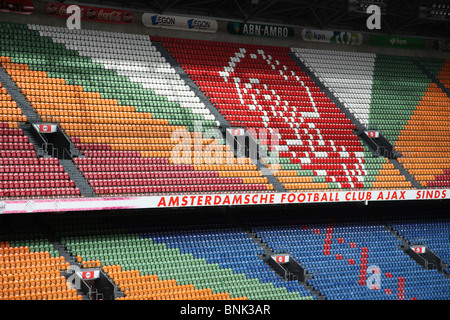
17, 6
59, 10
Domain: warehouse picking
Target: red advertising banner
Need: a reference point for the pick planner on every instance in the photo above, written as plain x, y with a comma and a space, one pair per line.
17, 6
59, 10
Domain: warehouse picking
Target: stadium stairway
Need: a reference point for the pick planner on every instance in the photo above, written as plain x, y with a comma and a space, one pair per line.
33, 117
71, 263
444, 74
271, 178
24, 172
69, 167
378, 146
73, 173
426, 261
56, 144
404, 172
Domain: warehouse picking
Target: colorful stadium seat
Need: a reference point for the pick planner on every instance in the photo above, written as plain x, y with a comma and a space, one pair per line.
30, 268
353, 259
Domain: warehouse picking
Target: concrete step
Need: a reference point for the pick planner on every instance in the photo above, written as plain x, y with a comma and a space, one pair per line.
76, 176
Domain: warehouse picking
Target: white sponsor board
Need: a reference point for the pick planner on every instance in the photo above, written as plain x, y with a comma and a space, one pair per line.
215, 200
155, 20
